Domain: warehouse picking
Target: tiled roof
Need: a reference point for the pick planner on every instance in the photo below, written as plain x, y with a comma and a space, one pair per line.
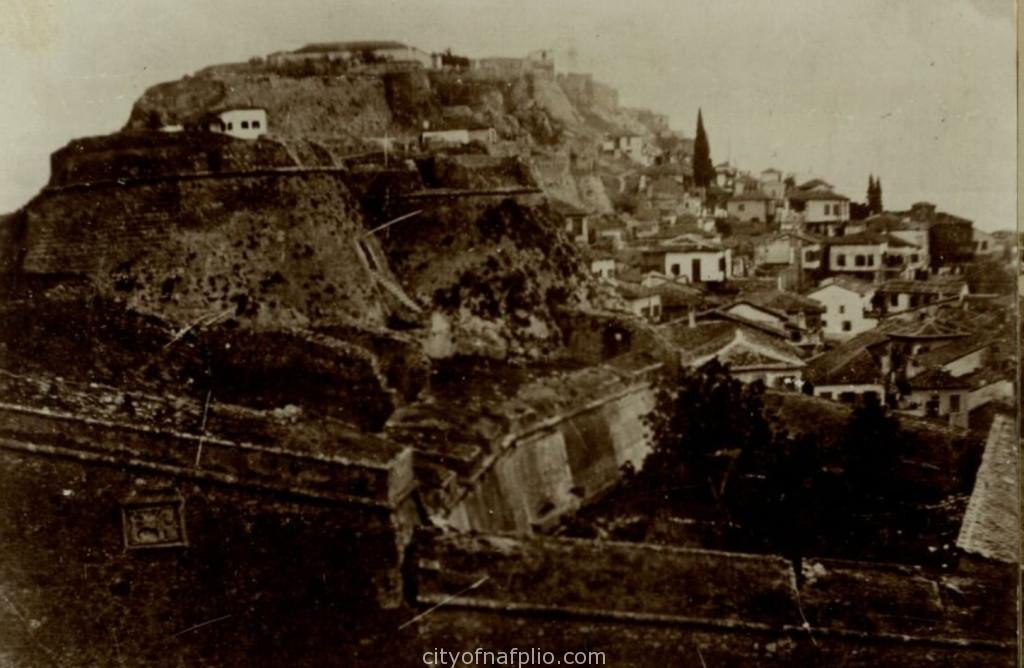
860, 239
846, 282
751, 196
926, 329
991, 524
566, 208
951, 351
909, 286
814, 183
887, 222
755, 349
896, 242
787, 302
850, 362
938, 379
634, 290
809, 195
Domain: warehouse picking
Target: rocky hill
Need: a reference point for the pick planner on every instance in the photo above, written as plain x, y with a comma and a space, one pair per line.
554, 123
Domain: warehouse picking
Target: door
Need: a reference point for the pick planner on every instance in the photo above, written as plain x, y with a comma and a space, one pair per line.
695, 270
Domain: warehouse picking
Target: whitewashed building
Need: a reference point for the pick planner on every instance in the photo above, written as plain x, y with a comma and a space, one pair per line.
240, 122
847, 303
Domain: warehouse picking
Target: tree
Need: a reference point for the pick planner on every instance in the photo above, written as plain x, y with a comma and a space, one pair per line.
785, 508
702, 421
871, 447
875, 195
703, 169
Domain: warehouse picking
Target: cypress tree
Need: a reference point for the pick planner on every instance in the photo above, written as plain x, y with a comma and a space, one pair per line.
878, 208
871, 190
703, 169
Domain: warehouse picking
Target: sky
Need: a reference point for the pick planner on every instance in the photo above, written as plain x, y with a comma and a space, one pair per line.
919, 92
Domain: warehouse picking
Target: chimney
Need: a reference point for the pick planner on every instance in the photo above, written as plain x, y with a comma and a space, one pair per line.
692, 317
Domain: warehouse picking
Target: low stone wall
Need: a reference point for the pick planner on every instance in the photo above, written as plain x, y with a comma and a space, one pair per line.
642, 604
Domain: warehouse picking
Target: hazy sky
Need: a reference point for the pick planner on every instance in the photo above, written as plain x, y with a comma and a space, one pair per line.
921, 92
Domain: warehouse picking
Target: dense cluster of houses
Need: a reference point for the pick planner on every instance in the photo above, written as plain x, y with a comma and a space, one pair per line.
780, 281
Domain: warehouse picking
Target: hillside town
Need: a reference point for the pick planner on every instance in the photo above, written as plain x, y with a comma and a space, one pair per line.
354, 351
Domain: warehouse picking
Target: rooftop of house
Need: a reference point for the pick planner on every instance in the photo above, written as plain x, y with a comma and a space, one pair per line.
859, 239
889, 222
910, 286
634, 291
991, 524
566, 208
849, 363
815, 195
929, 328
805, 237
938, 379
755, 349
815, 183
862, 288
786, 302
952, 351
751, 196
684, 243
896, 242
722, 313
674, 295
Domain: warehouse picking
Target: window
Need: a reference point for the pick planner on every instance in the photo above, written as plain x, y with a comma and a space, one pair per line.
914, 257
894, 300
954, 403
859, 260
842, 308
826, 395
256, 125
230, 125
827, 209
675, 270
840, 260
721, 264
847, 326
741, 207
871, 260
245, 125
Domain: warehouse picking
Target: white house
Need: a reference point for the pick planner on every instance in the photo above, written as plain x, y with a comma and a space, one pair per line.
859, 254
698, 260
824, 212
641, 301
442, 137
603, 266
788, 248
899, 295
846, 303
751, 206
986, 244
241, 122
752, 354
936, 392
772, 184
